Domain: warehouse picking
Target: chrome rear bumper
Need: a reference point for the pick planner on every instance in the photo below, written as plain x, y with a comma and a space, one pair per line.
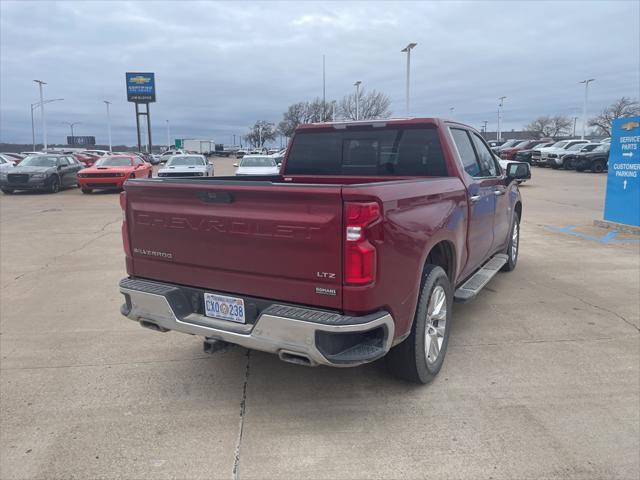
297, 334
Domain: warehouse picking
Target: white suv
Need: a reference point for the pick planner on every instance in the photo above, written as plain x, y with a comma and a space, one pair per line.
555, 149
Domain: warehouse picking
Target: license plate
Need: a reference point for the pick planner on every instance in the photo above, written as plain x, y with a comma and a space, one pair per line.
224, 308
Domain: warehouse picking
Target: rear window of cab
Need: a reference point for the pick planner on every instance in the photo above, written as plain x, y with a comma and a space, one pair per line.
372, 151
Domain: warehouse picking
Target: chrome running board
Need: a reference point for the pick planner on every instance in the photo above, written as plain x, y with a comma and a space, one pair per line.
478, 280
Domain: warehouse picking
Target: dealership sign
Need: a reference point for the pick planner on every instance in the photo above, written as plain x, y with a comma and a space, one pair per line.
141, 87
80, 141
622, 203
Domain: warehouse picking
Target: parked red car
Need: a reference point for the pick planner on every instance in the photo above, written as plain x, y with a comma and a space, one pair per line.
86, 159
510, 153
110, 173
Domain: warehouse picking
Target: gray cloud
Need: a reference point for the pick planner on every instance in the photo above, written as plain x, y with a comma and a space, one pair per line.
221, 66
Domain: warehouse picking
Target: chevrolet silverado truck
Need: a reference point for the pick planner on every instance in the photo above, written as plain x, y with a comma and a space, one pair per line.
355, 251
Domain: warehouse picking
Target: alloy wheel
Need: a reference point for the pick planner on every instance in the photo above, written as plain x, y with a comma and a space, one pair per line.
436, 324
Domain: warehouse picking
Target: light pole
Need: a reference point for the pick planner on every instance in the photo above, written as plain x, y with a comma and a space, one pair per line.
71, 124
408, 50
168, 135
33, 130
584, 106
499, 133
107, 103
44, 122
575, 119
485, 126
357, 85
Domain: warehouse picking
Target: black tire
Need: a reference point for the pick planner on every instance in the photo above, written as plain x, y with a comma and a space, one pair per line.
408, 360
150, 175
597, 166
511, 253
54, 186
8, 191
133, 175
579, 169
86, 190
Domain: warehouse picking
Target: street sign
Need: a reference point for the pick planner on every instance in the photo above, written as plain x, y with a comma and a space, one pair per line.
622, 202
141, 87
80, 141
178, 143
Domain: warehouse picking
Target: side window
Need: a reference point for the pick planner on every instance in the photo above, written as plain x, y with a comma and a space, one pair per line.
137, 161
485, 158
465, 149
63, 161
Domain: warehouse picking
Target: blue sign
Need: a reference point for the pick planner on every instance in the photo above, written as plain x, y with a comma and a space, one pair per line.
622, 203
141, 87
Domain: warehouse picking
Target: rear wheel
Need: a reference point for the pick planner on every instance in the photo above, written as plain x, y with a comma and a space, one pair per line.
150, 175
597, 166
420, 357
86, 190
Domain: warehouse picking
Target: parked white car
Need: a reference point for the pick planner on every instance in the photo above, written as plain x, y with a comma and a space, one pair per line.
257, 165
503, 164
547, 155
6, 162
170, 153
187, 166
539, 156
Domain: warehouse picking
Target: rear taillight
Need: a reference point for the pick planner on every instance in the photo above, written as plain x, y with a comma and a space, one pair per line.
125, 227
359, 253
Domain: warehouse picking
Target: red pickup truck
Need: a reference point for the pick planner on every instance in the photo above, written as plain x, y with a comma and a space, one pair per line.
354, 252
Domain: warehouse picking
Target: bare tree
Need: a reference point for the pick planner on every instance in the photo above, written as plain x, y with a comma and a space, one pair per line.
560, 125
550, 126
623, 107
304, 112
260, 133
371, 105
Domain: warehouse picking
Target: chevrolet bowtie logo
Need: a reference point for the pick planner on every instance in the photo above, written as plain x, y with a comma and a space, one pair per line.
140, 80
630, 125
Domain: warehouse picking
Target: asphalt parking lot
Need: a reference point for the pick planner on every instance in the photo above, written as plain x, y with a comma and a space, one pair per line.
541, 380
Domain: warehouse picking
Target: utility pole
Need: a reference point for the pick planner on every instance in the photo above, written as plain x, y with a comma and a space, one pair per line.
499, 133
357, 85
584, 106
485, 126
107, 103
323, 90
575, 119
33, 130
168, 135
71, 124
407, 49
44, 122
234, 139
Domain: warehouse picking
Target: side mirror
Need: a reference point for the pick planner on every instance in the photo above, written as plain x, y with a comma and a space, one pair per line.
59, 167
279, 164
235, 164
518, 171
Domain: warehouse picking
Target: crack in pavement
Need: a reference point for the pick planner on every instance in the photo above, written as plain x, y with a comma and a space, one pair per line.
598, 307
71, 252
235, 474
112, 364
524, 342
592, 305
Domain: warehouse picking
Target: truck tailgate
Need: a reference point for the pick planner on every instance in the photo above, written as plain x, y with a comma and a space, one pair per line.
276, 241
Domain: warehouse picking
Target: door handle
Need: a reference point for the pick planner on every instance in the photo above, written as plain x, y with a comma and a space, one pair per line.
474, 198
499, 192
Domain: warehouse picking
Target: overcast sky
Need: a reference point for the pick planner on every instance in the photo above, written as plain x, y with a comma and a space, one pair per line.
221, 66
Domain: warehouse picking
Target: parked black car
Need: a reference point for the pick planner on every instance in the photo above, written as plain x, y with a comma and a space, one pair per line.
525, 155
569, 158
41, 172
597, 160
